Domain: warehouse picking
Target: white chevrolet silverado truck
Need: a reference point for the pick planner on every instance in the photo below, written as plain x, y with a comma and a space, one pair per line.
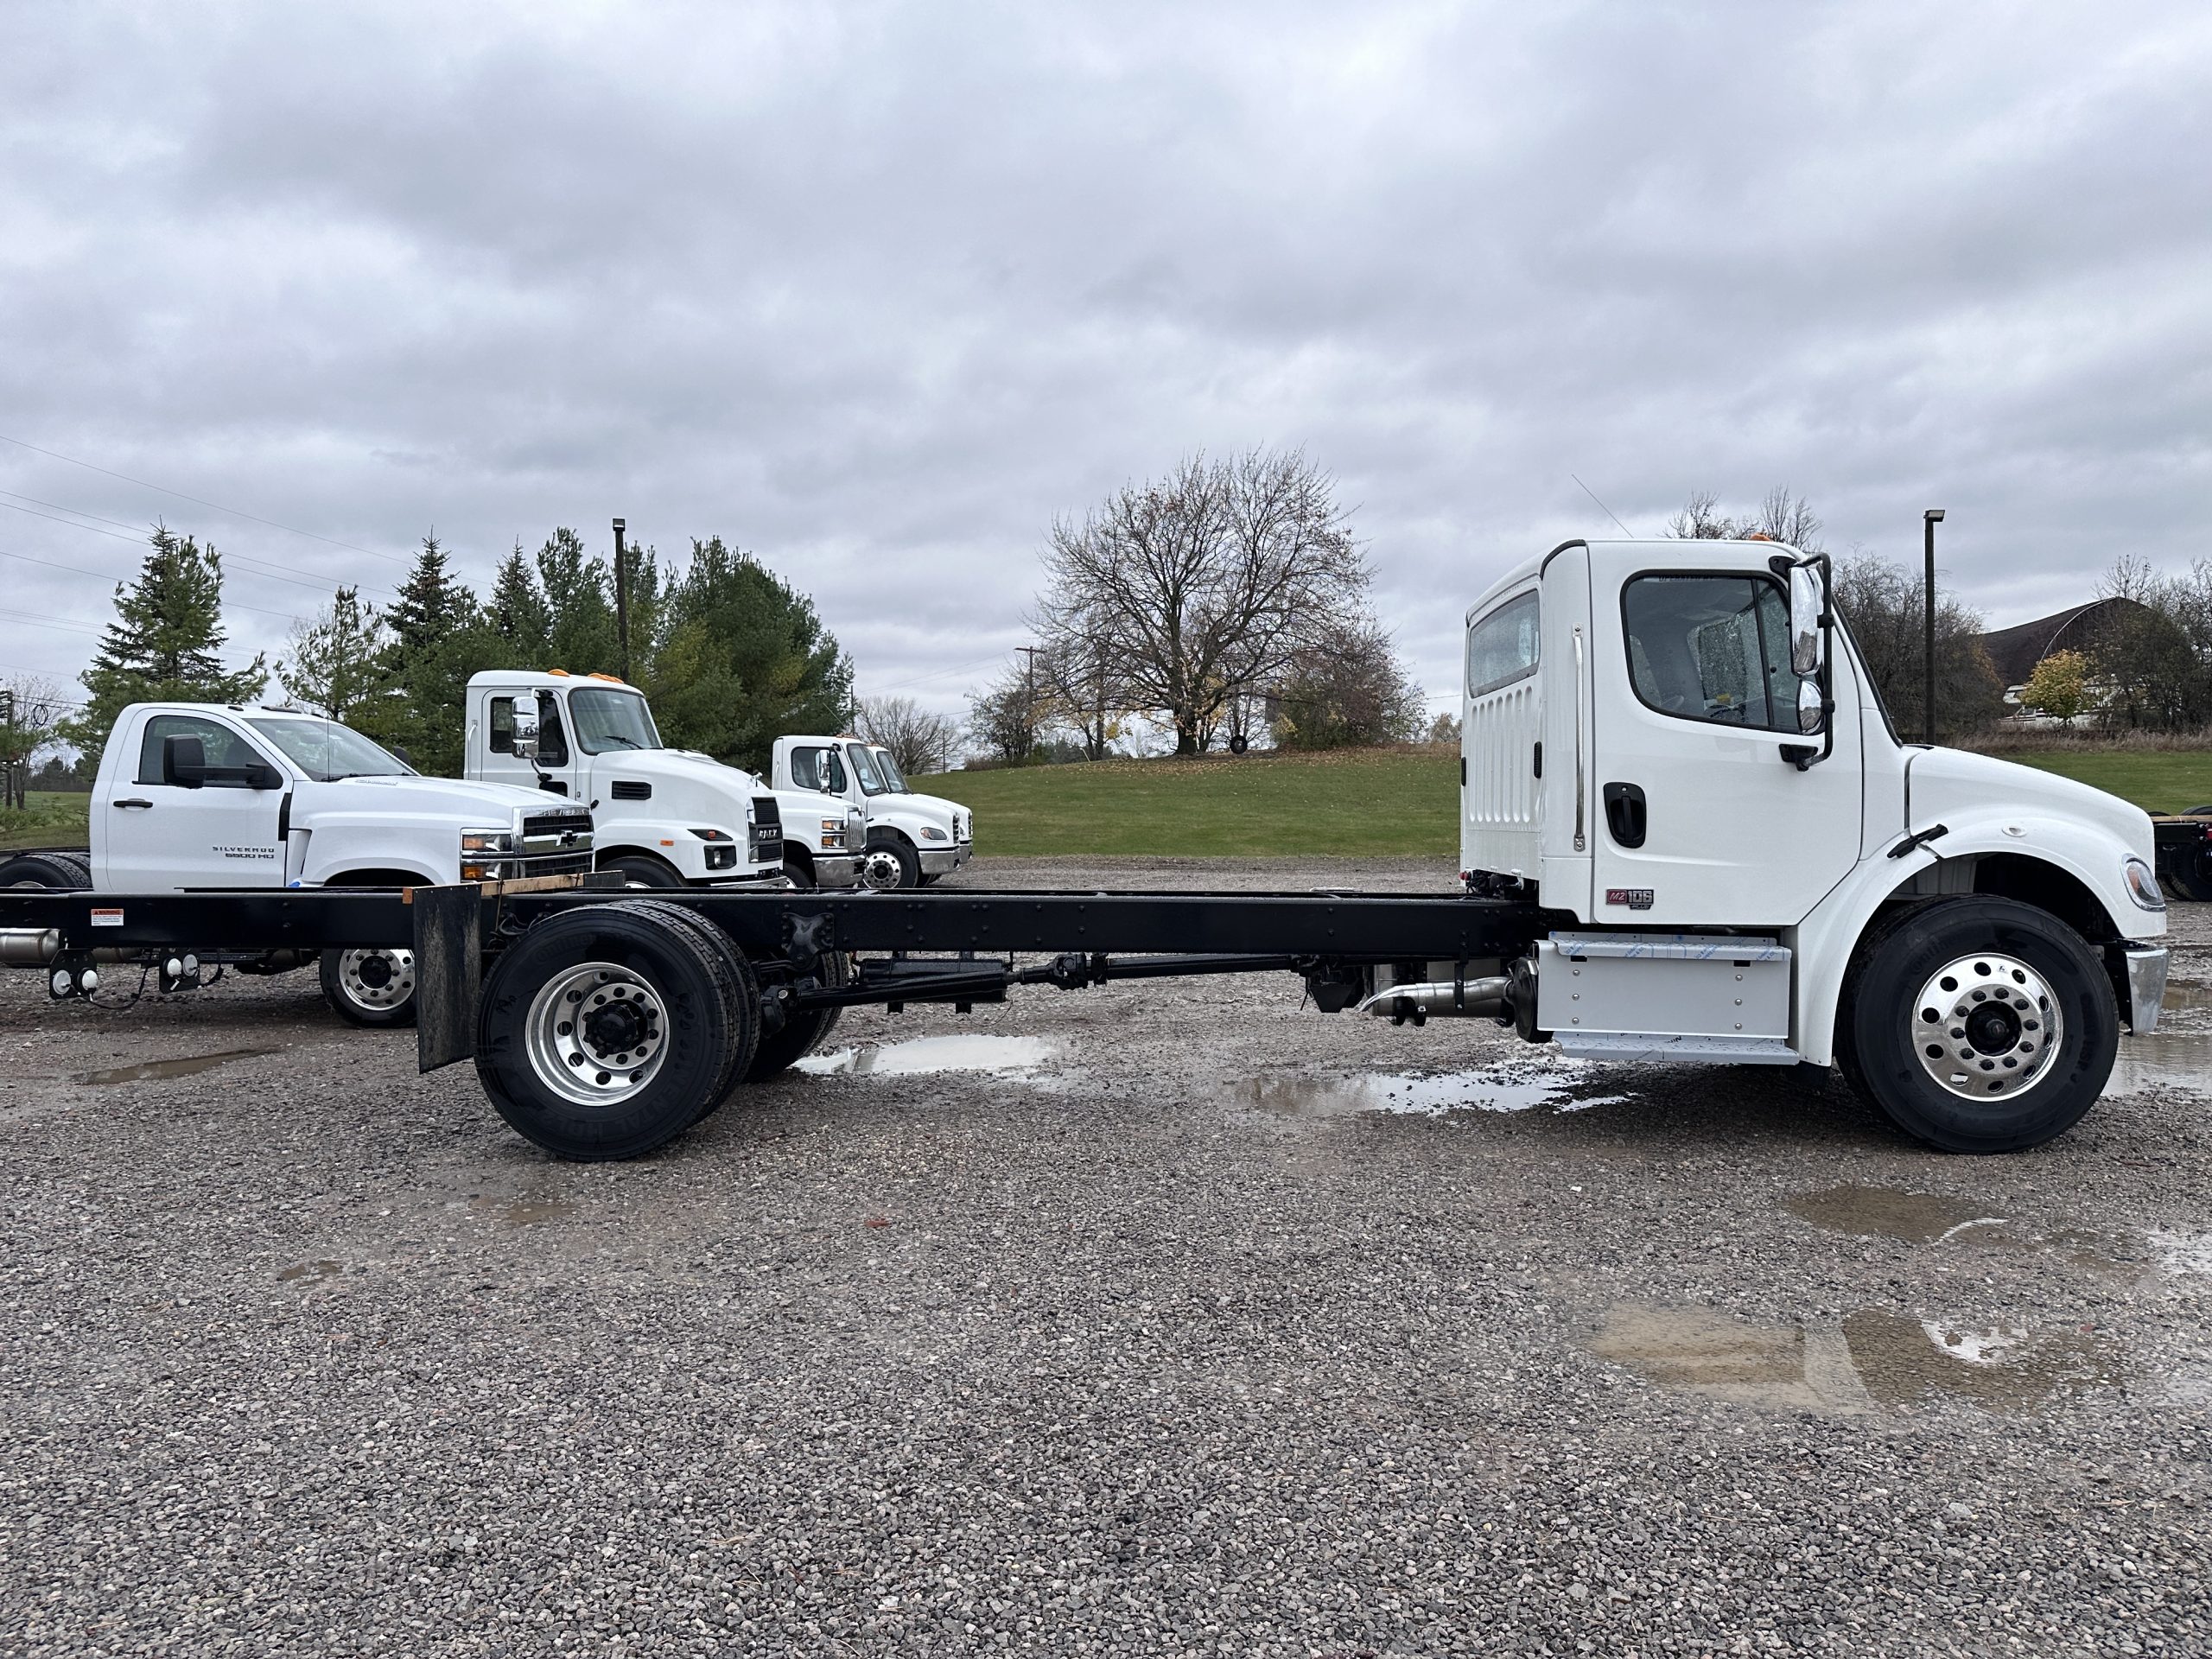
911, 839
216, 797
663, 818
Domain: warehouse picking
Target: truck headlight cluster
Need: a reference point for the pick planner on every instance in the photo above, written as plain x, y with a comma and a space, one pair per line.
832, 832
483, 853
2142, 885
931, 832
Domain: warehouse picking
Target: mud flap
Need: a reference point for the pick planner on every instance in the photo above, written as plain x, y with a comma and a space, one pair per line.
448, 972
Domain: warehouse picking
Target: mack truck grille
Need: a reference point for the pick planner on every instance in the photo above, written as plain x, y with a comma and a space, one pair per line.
556, 843
768, 831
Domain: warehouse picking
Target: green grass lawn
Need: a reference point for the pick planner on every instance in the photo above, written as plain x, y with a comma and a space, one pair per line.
1357, 802
51, 820
2157, 780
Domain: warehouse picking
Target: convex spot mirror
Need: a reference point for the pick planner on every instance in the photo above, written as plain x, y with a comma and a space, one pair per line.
1809, 711
1808, 599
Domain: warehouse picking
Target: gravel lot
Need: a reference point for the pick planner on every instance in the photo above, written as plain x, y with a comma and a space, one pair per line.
1203, 1324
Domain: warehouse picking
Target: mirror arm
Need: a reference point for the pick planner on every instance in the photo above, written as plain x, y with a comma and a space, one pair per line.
1804, 756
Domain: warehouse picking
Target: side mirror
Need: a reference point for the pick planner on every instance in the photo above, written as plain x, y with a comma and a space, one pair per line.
1811, 715
184, 762
1808, 600
525, 736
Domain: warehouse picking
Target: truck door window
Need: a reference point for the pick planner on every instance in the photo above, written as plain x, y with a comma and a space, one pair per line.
219, 746
499, 726
1712, 647
818, 769
552, 742
1501, 647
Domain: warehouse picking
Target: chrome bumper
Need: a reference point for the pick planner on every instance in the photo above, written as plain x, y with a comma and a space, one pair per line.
943, 860
836, 870
2146, 986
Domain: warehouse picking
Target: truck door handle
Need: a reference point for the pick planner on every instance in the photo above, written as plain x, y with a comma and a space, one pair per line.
133, 801
1625, 813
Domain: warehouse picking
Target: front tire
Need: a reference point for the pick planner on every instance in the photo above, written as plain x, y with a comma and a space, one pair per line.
799, 874
1979, 1024
372, 989
607, 1030
639, 870
888, 866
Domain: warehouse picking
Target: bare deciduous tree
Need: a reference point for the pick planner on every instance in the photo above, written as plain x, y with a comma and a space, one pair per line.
1202, 586
919, 742
1009, 717
1781, 517
1345, 689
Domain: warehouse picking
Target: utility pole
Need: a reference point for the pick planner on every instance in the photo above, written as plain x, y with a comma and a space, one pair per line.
621, 599
1929, 520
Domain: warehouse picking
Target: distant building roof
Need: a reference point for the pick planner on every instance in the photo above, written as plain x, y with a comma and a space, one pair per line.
2016, 649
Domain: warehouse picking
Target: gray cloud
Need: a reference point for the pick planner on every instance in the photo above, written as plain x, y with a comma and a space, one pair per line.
878, 289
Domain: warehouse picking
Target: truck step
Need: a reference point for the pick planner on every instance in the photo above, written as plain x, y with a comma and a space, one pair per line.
1624, 1046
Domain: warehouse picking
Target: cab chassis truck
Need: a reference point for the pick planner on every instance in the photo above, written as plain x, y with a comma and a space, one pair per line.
1688, 834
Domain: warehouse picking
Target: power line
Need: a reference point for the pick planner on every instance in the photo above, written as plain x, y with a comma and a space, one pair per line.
216, 506
251, 566
1602, 507
79, 570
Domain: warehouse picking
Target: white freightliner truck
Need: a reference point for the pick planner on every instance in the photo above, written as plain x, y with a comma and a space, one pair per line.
912, 839
1688, 833
196, 796
663, 818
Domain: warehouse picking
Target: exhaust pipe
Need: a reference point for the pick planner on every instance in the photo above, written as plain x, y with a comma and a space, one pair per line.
1442, 998
29, 947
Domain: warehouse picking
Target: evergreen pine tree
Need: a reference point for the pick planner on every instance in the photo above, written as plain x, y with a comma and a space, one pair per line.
518, 612
337, 664
438, 637
165, 643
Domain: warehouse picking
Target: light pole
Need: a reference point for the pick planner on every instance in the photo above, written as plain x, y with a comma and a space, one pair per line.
622, 600
1929, 520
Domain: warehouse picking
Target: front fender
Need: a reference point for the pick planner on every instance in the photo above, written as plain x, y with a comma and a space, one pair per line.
1828, 938
332, 849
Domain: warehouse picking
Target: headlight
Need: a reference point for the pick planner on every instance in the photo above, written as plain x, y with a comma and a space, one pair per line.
487, 841
832, 832
2142, 885
931, 832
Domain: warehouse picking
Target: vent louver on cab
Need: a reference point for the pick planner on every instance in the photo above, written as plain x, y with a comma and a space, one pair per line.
630, 789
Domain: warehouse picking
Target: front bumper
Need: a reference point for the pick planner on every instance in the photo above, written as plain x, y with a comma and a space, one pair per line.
2145, 976
750, 881
943, 860
836, 870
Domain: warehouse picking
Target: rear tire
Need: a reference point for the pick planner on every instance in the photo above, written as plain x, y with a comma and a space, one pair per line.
2026, 1032
803, 1032
53, 872
2193, 879
607, 1030
372, 988
740, 986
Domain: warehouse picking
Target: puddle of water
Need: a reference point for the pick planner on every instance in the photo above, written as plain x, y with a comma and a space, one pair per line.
1884, 1212
1903, 1361
148, 1070
1002, 1056
521, 1212
312, 1272
1696, 1349
1497, 1088
2164, 1059
2186, 996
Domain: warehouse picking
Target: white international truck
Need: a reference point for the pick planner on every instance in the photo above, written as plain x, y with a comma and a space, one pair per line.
663, 818
912, 839
197, 797
1688, 833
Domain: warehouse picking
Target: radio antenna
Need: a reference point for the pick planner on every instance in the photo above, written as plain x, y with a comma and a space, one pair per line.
1603, 508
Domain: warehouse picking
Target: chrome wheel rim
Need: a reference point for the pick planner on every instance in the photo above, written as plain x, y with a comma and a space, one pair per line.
880, 871
597, 1033
377, 979
1986, 1027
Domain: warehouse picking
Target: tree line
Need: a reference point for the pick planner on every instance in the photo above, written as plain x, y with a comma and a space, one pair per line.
730, 655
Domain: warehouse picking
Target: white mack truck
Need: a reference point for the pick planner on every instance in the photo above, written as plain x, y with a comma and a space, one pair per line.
912, 839
214, 798
663, 818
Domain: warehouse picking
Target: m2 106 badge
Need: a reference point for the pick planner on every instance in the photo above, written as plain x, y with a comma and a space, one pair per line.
1634, 898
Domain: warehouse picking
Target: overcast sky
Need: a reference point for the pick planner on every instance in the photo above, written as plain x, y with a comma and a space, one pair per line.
877, 290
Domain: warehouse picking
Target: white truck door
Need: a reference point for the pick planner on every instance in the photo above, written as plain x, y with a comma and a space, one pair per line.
1699, 816
160, 835
492, 759
1564, 717
815, 766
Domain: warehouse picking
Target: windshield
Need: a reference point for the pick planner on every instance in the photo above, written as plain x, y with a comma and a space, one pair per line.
611, 720
864, 764
893, 780
326, 751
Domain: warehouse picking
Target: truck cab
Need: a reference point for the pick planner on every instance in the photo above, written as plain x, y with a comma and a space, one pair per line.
665, 817
911, 839
1674, 748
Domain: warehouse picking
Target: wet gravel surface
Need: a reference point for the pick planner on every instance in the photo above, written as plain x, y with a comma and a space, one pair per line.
1203, 1323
